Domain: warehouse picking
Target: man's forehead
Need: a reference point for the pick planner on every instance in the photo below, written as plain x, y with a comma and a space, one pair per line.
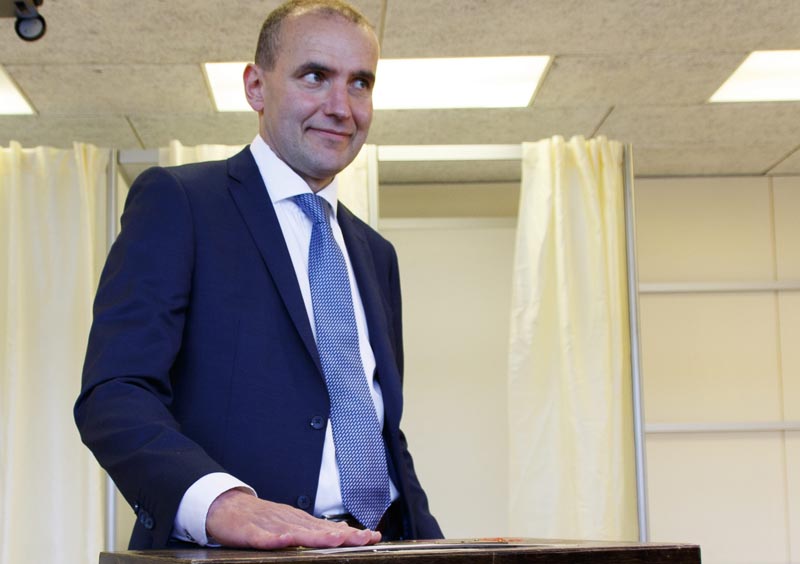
313, 21
326, 36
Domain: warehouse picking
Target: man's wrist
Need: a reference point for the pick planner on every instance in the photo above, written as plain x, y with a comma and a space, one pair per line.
190, 519
210, 541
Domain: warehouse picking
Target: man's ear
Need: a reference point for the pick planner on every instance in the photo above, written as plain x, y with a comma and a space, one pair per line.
252, 87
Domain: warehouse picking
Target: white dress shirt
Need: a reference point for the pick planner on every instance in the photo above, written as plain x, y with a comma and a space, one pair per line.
282, 184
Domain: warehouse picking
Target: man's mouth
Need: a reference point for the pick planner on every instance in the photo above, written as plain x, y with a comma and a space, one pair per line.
332, 134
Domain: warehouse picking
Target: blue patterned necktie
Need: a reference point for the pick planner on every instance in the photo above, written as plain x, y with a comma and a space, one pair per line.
360, 453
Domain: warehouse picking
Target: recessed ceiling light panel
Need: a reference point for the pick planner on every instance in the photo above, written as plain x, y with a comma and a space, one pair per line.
467, 82
764, 76
227, 87
12, 102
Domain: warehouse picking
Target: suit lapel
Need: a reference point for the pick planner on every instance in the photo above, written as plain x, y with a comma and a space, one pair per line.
252, 200
251, 197
364, 270
375, 310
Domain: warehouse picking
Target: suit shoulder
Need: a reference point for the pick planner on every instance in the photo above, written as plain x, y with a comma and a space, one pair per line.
193, 174
198, 175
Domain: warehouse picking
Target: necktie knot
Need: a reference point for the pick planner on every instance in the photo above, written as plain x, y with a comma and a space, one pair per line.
313, 206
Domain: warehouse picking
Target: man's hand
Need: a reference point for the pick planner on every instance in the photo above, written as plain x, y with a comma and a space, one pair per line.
239, 519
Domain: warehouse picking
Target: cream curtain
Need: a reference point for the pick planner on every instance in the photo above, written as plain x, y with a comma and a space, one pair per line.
354, 181
571, 453
52, 247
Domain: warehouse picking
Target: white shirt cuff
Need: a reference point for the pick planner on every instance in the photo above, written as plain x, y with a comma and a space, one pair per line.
190, 520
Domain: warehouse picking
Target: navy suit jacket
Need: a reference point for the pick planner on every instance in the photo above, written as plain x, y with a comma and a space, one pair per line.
201, 356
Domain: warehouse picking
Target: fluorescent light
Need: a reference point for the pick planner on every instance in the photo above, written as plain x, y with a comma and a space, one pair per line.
467, 82
12, 102
764, 76
227, 86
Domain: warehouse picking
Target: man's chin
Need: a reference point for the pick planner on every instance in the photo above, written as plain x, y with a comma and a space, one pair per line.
329, 168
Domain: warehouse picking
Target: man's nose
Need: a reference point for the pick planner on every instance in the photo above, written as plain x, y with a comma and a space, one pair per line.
337, 102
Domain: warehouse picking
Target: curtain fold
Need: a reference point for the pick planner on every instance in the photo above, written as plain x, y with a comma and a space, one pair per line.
354, 181
178, 154
571, 454
52, 247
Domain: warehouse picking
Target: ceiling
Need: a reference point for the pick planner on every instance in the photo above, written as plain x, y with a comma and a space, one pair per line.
127, 74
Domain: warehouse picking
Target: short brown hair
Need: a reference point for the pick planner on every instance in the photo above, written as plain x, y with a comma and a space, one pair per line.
269, 38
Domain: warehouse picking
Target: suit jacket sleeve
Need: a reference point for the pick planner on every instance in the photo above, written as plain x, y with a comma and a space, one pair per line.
123, 409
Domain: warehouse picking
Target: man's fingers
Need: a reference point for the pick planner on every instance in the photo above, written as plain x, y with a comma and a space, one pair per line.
264, 540
345, 537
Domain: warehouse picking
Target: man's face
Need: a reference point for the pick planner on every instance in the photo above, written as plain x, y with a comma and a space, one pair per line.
315, 105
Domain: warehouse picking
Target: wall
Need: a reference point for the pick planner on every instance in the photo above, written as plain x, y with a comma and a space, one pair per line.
456, 286
710, 358
722, 359
716, 357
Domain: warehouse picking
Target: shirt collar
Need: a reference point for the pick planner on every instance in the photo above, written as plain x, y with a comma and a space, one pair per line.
281, 181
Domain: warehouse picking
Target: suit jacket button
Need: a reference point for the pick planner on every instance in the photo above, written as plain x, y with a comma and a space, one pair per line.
317, 422
303, 502
146, 520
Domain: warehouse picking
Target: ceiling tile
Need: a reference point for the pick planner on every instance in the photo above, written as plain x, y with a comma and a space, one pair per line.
61, 131
138, 65
723, 125
648, 79
705, 160
789, 165
146, 31
196, 129
509, 27
514, 125
113, 89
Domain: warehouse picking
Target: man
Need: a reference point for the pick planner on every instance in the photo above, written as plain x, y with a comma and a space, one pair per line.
209, 373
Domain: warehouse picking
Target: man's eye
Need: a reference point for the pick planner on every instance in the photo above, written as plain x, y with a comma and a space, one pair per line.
362, 84
312, 77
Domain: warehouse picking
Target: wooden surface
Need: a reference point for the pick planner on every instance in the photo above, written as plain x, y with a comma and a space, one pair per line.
484, 551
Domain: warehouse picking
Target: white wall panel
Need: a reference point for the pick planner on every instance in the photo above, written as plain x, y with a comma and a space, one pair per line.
793, 496
710, 357
456, 285
725, 492
787, 226
704, 229
722, 357
790, 353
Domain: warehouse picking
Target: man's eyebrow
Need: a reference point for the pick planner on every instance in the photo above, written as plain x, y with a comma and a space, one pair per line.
367, 75
312, 66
